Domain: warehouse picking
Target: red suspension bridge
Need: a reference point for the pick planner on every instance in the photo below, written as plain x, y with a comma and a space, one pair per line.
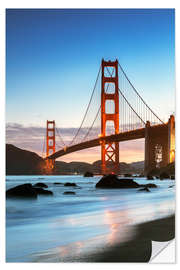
120, 114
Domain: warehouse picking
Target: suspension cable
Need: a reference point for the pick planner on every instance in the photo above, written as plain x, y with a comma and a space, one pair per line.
87, 108
127, 100
139, 94
111, 74
43, 149
92, 124
61, 139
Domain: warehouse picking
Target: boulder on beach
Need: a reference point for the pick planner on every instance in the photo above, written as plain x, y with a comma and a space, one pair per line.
144, 189
27, 191
24, 191
112, 181
70, 184
41, 185
69, 193
88, 174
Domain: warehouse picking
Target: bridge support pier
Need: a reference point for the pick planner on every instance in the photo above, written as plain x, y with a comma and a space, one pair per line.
156, 148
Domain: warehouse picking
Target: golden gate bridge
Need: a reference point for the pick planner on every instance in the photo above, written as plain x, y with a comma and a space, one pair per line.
116, 112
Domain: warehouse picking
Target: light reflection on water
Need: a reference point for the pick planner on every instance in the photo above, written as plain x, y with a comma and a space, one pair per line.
61, 227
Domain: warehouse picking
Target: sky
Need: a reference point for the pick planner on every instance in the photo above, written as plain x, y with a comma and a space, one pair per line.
53, 57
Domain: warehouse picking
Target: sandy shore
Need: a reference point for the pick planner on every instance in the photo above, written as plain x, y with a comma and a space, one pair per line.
136, 249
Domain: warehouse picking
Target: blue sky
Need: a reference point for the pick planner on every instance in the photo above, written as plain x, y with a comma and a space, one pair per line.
53, 56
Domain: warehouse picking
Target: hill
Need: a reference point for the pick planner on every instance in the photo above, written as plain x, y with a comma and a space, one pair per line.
22, 162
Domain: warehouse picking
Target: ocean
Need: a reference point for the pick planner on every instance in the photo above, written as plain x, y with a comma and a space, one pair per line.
64, 228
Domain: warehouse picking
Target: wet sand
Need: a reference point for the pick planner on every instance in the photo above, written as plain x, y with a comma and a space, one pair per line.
136, 249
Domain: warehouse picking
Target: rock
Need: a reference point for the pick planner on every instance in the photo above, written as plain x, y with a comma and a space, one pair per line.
88, 174
164, 175
112, 181
150, 185
150, 177
144, 189
127, 175
41, 191
27, 191
24, 191
172, 177
57, 183
42, 185
70, 184
171, 186
69, 193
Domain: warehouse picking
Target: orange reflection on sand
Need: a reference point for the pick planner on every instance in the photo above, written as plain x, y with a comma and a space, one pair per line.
118, 225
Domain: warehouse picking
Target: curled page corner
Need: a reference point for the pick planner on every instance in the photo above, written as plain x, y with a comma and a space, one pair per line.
163, 252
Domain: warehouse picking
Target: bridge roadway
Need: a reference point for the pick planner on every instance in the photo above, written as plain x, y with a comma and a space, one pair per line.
125, 136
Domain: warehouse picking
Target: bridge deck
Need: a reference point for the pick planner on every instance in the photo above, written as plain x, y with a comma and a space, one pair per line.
125, 136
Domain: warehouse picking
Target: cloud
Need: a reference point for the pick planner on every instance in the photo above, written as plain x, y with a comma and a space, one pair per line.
33, 138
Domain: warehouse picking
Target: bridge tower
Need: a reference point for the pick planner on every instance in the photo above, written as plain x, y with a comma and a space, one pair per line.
50, 144
109, 151
171, 139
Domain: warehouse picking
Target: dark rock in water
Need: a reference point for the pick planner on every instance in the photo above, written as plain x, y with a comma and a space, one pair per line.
42, 185
88, 174
164, 175
70, 184
41, 191
150, 185
144, 189
150, 177
57, 183
24, 191
69, 193
112, 181
27, 191
171, 186
127, 175
172, 177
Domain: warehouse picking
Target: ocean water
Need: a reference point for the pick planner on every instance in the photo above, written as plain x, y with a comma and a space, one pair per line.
65, 227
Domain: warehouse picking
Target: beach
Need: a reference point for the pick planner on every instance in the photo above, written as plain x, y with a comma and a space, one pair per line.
93, 225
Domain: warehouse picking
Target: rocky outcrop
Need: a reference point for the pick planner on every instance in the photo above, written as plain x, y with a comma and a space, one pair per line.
88, 174
69, 193
58, 183
150, 185
41, 191
70, 184
112, 181
42, 185
144, 189
24, 191
27, 191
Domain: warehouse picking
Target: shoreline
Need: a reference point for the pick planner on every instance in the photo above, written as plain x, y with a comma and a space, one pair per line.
136, 249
